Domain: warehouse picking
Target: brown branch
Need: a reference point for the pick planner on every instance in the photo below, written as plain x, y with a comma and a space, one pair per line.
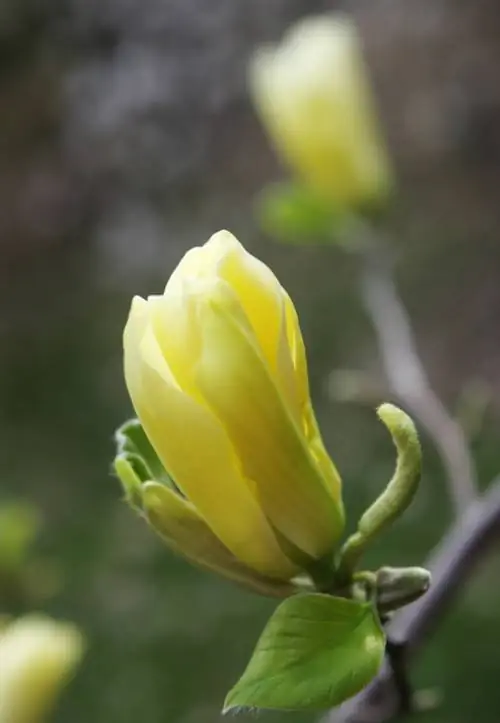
451, 564
406, 374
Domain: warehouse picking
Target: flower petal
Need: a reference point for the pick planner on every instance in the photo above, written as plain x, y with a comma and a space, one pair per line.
197, 453
313, 95
273, 451
258, 290
309, 423
175, 328
38, 656
297, 351
263, 300
178, 522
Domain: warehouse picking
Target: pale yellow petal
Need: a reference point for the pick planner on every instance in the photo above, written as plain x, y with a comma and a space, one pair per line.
197, 453
189, 266
253, 283
273, 451
256, 288
286, 374
186, 532
38, 656
309, 423
202, 261
262, 298
317, 449
257, 306
297, 351
176, 329
313, 94
259, 293
133, 334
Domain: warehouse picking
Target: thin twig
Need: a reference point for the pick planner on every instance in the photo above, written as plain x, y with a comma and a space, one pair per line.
407, 378
451, 565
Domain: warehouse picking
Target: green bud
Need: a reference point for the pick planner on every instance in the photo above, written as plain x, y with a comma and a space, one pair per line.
399, 586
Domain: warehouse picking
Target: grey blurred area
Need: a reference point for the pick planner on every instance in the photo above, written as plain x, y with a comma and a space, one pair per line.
127, 136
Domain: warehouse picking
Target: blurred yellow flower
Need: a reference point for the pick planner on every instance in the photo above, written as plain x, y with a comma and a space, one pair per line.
313, 96
216, 370
37, 656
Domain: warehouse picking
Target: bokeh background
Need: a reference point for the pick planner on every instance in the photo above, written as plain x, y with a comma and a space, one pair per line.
126, 136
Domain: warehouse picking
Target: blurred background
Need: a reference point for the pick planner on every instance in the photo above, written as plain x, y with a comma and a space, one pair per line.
127, 136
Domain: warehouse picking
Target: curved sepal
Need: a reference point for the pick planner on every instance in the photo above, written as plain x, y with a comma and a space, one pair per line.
152, 493
130, 440
179, 524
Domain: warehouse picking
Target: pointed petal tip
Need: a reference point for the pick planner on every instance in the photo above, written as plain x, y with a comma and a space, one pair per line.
138, 306
223, 240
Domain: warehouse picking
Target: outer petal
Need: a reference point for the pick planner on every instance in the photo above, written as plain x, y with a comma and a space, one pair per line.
197, 453
297, 351
175, 328
308, 419
263, 300
258, 290
184, 530
273, 451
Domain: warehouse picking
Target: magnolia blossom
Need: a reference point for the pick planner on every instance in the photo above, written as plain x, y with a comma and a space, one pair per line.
37, 656
216, 370
313, 96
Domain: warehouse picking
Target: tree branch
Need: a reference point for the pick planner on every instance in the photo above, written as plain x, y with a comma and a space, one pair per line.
451, 564
406, 374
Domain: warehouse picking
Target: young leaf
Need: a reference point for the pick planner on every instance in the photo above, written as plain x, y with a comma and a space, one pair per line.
294, 214
315, 652
132, 440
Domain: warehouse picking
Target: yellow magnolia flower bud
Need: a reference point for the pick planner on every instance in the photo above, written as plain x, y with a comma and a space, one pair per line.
313, 96
217, 374
37, 656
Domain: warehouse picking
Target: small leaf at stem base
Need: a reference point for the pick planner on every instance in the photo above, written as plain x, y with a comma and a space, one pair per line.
315, 652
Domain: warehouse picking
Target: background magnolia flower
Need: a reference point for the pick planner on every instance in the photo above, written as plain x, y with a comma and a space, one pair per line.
37, 656
217, 373
313, 96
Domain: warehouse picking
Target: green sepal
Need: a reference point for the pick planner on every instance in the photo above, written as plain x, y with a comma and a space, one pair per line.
130, 470
294, 214
132, 440
183, 529
150, 492
315, 652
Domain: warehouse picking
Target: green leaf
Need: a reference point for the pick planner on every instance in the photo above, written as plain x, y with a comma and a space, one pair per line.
294, 214
315, 652
19, 526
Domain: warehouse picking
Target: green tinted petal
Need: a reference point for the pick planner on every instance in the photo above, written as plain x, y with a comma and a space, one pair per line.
184, 530
273, 452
